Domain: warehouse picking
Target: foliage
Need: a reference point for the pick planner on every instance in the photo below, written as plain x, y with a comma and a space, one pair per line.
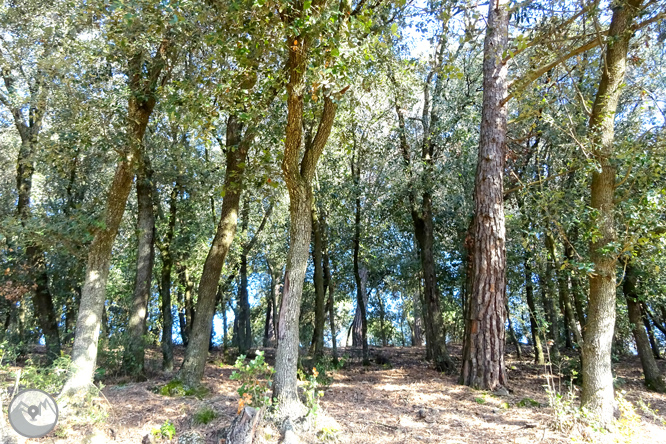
312, 393
256, 381
176, 388
50, 379
166, 431
204, 415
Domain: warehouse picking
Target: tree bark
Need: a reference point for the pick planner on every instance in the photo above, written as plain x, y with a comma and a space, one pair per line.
654, 380
133, 358
531, 305
597, 394
298, 178
550, 300
483, 350
166, 253
192, 369
140, 106
317, 345
244, 324
360, 272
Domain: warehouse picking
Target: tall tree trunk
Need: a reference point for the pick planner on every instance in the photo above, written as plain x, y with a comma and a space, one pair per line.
597, 394
317, 345
483, 351
574, 283
650, 332
244, 325
360, 272
140, 106
550, 301
417, 335
166, 253
188, 301
192, 369
531, 305
133, 358
276, 277
654, 380
328, 280
298, 178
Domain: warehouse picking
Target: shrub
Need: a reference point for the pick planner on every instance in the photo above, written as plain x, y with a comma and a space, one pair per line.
256, 381
204, 416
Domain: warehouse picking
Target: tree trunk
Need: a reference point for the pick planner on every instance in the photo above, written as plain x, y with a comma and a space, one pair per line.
531, 305
298, 178
514, 338
550, 301
140, 106
317, 345
165, 282
360, 272
597, 394
328, 282
417, 338
650, 332
244, 324
192, 369
483, 351
654, 380
188, 302
133, 359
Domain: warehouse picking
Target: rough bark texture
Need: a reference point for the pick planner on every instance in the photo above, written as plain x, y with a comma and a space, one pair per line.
140, 106
133, 359
483, 351
165, 283
317, 345
192, 369
244, 426
244, 325
654, 380
298, 178
597, 394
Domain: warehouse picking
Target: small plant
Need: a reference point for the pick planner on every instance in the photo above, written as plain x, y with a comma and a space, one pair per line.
528, 402
256, 381
480, 400
166, 430
175, 389
327, 434
312, 393
50, 379
204, 416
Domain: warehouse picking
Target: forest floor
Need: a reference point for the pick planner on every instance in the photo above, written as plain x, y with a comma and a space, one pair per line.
406, 402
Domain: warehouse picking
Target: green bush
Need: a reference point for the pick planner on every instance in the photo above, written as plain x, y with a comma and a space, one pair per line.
175, 389
51, 379
204, 416
166, 430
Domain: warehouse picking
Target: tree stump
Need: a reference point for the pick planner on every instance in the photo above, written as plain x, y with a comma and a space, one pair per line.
244, 426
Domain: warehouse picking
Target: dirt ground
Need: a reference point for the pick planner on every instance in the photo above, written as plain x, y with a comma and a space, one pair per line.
406, 402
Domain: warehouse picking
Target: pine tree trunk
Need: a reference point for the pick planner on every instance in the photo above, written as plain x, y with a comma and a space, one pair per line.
483, 351
597, 394
133, 359
654, 380
192, 369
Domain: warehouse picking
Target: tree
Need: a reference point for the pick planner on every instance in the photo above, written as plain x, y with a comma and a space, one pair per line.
483, 350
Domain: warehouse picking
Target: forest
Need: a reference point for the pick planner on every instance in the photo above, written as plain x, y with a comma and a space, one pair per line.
363, 221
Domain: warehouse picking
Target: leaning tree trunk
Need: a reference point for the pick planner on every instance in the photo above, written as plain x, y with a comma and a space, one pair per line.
133, 359
192, 369
597, 394
140, 106
654, 380
483, 351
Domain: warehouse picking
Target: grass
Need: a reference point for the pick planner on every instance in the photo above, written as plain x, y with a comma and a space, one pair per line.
204, 416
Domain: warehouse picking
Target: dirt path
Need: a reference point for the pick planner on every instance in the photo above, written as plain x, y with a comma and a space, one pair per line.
407, 402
